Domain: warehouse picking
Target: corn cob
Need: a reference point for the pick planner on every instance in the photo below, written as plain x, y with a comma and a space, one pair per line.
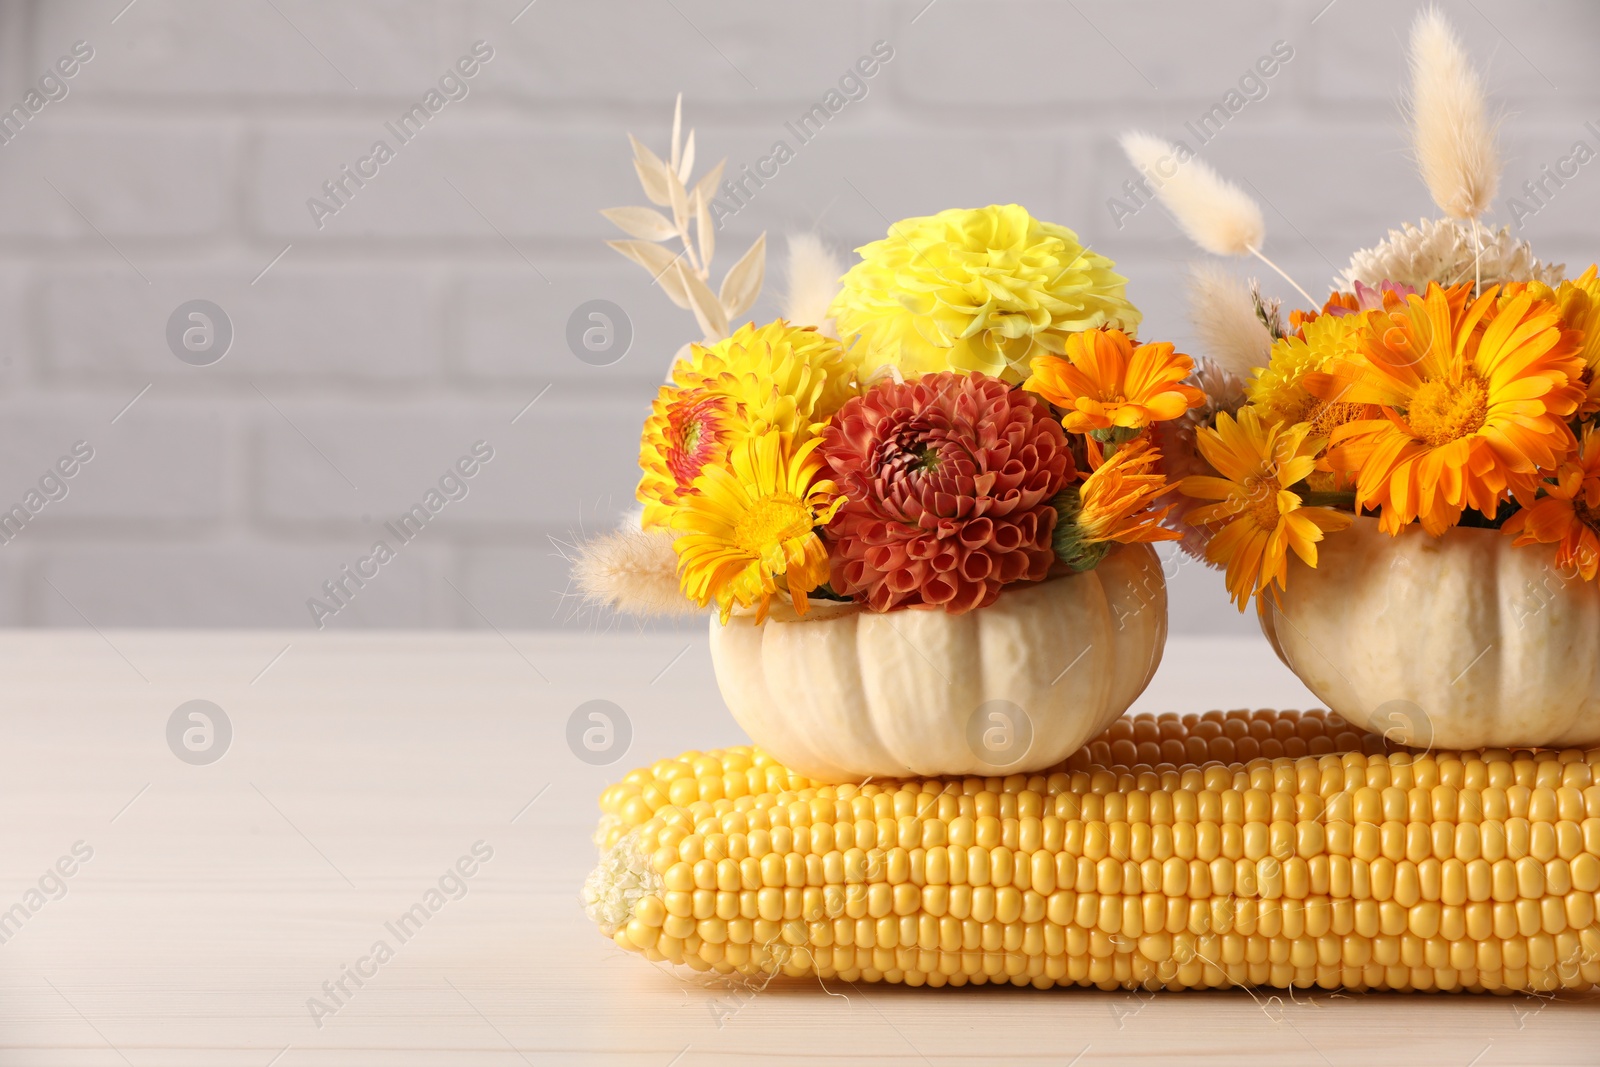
1238, 848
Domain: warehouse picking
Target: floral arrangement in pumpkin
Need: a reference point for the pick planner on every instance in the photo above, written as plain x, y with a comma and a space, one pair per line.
967, 407
1450, 379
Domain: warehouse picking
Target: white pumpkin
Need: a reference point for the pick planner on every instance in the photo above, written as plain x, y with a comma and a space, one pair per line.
843, 693
1452, 642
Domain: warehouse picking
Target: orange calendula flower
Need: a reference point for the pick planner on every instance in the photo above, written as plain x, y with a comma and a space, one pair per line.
1578, 300
1114, 505
1568, 514
1106, 383
749, 531
1475, 401
1116, 499
1261, 518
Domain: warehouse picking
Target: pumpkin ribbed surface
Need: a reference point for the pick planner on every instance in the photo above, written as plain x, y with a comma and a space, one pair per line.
1458, 641
845, 693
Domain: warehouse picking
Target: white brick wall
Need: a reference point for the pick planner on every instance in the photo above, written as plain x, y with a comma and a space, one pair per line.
424, 315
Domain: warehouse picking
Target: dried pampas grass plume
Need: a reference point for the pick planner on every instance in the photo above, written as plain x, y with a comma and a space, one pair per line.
814, 274
1450, 126
1216, 214
631, 570
1223, 311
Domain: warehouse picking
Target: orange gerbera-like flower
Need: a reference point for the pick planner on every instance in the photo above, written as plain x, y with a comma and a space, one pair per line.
1578, 300
1104, 382
1115, 504
1263, 519
1475, 403
1568, 515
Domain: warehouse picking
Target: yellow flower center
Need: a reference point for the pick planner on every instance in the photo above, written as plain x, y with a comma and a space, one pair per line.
1443, 411
771, 521
1262, 490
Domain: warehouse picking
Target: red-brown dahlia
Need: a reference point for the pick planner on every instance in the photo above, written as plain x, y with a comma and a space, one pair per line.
948, 480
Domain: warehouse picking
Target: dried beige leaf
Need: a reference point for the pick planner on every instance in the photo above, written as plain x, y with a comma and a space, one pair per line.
686, 165
677, 127
742, 284
705, 235
707, 311
652, 173
641, 222
707, 186
660, 262
678, 196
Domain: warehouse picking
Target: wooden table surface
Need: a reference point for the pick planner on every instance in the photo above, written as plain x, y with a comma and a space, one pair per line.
208, 903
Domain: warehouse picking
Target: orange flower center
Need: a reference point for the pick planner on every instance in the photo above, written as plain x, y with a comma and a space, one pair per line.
1262, 491
771, 521
691, 437
1443, 411
1330, 415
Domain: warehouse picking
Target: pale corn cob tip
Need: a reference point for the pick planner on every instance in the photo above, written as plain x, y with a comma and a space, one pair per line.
1238, 848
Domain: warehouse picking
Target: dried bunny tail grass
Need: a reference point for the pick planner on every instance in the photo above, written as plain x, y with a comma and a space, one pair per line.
631, 570
814, 274
1452, 133
1223, 312
1215, 214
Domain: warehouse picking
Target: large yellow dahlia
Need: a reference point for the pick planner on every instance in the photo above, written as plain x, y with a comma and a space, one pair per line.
985, 289
772, 377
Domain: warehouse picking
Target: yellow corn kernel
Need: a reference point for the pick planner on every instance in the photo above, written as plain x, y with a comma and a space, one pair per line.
1236, 848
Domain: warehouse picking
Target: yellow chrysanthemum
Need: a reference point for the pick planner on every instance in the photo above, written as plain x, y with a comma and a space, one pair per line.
749, 530
985, 289
1261, 518
1278, 390
777, 376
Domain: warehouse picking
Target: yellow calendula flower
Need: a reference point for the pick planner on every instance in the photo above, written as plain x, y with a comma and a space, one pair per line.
777, 376
1261, 519
749, 530
985, 289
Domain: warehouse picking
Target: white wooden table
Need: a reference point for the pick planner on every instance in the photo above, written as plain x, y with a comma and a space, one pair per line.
220, 897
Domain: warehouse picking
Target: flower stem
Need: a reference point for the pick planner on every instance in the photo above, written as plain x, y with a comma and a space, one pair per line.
1345, 500
1311, 303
